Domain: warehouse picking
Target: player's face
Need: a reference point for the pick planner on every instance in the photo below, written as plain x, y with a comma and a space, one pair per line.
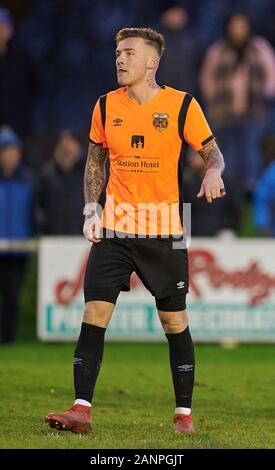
134, 59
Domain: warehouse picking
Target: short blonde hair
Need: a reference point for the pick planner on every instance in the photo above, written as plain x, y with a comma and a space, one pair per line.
151, 37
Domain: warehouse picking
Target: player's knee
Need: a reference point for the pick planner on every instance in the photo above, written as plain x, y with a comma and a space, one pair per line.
175, 328
173, 322
97, 313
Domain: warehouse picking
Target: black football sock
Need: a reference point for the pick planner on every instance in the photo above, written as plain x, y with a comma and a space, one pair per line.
182, 362
87, 360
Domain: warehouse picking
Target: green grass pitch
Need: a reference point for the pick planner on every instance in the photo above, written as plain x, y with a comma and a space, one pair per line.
233, 405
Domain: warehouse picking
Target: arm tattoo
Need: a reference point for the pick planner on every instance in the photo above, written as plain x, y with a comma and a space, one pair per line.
212, 157
94, 177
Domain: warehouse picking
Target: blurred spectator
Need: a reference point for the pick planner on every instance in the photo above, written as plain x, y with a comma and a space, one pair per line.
208, 220
264, 195
16, 192
238, 79
17, 80
60, 200
182, 57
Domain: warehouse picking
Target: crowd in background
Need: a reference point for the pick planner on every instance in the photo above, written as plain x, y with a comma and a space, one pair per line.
58, 58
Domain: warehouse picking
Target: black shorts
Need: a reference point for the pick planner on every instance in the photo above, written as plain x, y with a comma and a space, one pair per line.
162, 269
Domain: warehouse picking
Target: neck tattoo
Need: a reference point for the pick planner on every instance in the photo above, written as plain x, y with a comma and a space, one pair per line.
152, 82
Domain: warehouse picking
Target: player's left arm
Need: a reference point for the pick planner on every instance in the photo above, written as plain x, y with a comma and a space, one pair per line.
198, 134
212, 186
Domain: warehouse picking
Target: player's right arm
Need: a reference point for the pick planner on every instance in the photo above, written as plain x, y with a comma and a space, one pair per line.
94, 176
94, 181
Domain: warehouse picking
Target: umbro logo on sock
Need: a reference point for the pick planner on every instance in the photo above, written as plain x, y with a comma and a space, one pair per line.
186, 368
77, 360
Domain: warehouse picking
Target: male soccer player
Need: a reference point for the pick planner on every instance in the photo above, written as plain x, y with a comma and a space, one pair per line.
144, 128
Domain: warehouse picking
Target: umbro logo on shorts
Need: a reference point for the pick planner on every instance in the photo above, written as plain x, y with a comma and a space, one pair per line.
181, 284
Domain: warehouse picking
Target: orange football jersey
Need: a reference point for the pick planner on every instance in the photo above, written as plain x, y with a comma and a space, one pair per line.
146, 146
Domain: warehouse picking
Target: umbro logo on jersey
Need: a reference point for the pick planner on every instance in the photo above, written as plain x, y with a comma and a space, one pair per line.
181, 284
117, 122
137, 140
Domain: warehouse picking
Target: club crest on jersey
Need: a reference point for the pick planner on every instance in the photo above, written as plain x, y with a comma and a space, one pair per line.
160, 121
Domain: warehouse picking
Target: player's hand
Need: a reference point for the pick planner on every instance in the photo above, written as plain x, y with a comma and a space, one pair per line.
91, 228
212, 186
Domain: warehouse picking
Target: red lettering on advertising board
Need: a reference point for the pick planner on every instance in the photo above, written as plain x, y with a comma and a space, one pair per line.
250, 278
67, 289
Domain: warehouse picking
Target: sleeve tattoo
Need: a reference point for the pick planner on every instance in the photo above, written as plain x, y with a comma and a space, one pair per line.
94, 176
212, 157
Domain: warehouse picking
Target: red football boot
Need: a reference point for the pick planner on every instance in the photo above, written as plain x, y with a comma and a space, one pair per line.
76, 419
183, 423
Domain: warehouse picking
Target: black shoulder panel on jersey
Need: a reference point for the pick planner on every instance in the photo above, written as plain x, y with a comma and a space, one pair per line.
102, 104
182, 114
